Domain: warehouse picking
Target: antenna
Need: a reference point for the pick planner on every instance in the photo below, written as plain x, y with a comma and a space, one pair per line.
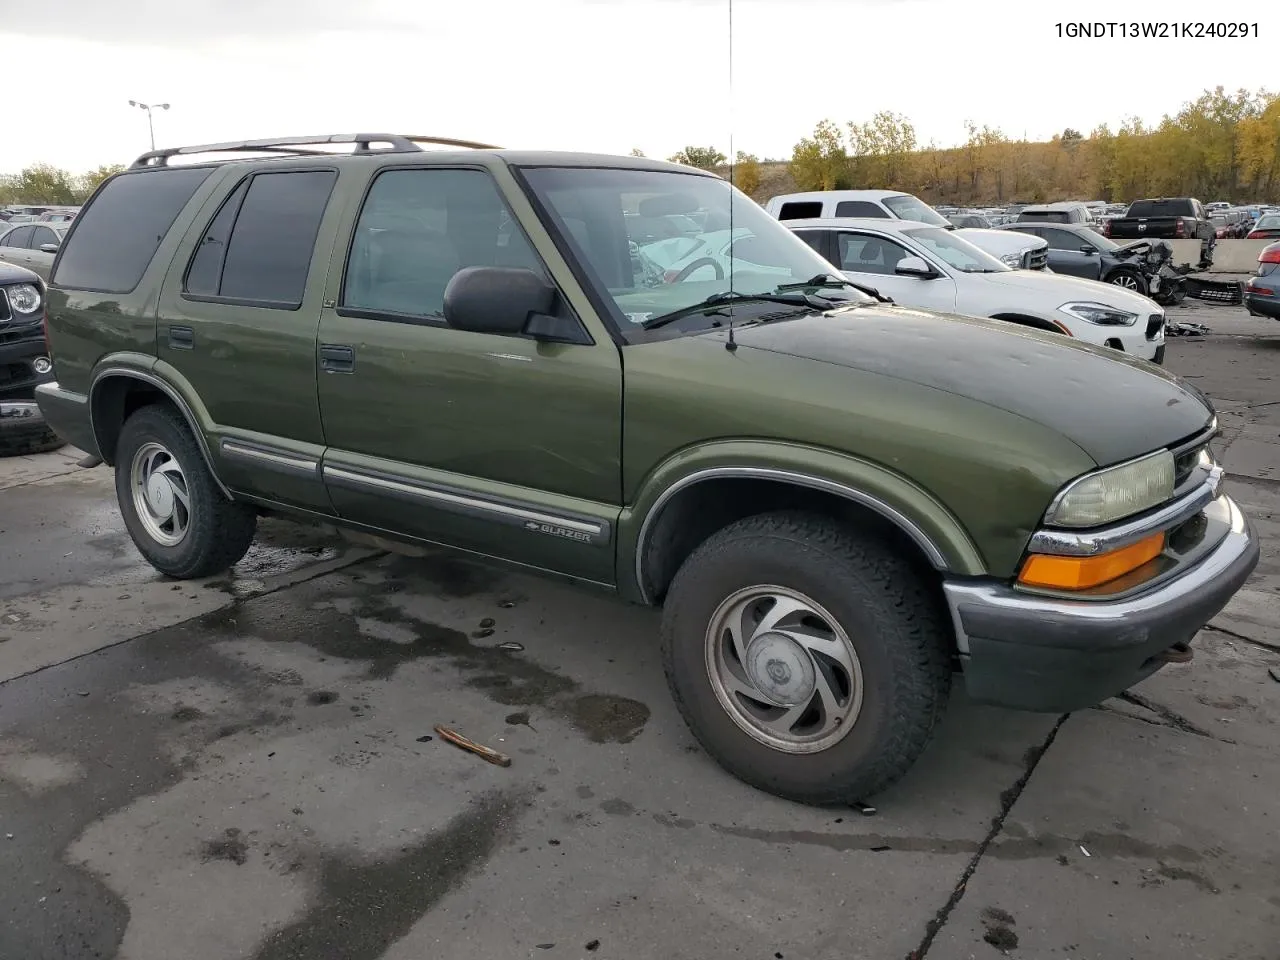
731, 344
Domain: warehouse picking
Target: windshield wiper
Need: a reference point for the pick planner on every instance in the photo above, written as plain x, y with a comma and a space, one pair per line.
727, 298
828, 281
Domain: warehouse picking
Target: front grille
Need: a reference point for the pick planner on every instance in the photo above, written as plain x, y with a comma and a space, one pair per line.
1154, 325
1036, 259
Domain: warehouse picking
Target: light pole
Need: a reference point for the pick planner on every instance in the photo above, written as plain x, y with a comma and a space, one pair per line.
149, 107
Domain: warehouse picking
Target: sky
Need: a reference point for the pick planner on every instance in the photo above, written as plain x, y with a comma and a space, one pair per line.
601, 75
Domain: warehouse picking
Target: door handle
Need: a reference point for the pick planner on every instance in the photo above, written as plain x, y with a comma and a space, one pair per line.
182, 338
337, 358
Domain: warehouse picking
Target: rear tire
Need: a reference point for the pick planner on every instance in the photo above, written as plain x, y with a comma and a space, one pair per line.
178, 518
865, 615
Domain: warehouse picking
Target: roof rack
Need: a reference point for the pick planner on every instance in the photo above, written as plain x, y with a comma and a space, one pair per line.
298, 146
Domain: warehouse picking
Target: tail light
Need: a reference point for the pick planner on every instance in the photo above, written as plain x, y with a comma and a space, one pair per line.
1106, 229
1270, 255
1179, 229
1259, 291
1254, 235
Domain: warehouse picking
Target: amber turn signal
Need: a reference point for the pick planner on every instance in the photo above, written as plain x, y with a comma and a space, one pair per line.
1080, 573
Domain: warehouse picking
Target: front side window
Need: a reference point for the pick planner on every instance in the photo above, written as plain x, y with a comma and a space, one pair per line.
1064, 240
906, 207
863, 253
416, 230
955, 251
738, 246
860, 208
42, 236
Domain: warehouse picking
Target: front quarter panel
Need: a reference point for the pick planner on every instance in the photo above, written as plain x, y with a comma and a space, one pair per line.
976, 479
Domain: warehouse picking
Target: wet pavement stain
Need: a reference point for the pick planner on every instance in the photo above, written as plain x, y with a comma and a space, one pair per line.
362, 908
230, 846
502, 676
618, 807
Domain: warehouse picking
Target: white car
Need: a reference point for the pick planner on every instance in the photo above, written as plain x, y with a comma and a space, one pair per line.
924, 266
896, 205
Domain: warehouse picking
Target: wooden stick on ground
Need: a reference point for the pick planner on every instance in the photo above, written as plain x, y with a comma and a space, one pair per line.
458, 740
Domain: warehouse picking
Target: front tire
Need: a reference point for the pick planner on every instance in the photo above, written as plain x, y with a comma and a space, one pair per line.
178, 518
1129, 281
809, 661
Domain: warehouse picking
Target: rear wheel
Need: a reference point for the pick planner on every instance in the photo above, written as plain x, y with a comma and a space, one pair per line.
178, 518
807, 660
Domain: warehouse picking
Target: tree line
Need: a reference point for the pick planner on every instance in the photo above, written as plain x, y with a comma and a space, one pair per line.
1221, 146
44, 185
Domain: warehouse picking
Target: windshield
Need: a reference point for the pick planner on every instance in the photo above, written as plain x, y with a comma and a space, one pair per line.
642, 278
956, 251
907, 207
1269, 222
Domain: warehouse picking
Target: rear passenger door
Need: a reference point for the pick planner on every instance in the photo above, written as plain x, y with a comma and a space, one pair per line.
238, 320
502, 445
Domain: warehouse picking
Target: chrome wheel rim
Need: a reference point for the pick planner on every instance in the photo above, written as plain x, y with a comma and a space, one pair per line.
1126, 281
784, 669
161, 497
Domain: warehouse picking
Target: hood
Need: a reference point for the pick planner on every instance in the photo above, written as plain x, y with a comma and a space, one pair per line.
1074, 288
1112, 406
11, 273
1000, 242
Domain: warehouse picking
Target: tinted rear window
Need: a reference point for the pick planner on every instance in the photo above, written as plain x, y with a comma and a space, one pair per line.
118, 233
860, 208
1161, 208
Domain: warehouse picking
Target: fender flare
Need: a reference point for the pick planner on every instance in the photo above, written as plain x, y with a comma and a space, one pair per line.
939, 535
112, 372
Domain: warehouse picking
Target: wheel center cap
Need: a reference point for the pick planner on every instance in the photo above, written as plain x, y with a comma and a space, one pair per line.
160, 496
780, 669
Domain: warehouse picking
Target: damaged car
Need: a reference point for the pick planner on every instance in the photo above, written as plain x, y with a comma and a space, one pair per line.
1082, 252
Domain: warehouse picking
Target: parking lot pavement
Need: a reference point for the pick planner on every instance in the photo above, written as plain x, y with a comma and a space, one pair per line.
247, 768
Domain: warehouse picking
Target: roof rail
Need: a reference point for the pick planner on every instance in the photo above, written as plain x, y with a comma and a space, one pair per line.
397, 143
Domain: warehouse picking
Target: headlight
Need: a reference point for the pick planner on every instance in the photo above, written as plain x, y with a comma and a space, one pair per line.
1012, 260
1114, 493
24, 298
1100, 314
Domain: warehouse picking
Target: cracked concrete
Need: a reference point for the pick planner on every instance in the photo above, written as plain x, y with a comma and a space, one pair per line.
245, 769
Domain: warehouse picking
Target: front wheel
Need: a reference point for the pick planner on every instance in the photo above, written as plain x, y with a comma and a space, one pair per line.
807, 660
1129, 281
178, 518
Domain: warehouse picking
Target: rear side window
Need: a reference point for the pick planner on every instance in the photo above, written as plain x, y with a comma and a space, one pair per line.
801, 210
257, 249
859, 208
19, 238
116, 236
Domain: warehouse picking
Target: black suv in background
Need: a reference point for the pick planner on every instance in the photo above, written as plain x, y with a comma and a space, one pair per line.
24, 362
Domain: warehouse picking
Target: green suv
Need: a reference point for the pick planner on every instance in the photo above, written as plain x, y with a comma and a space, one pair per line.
838, 502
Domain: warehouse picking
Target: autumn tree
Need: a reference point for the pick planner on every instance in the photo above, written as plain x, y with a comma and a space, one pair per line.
746, 173
704, 158
41, 183
821, 162
86, 183
881, 150
637, 152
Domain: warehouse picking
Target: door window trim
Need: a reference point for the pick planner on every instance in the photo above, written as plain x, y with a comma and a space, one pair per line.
246, 181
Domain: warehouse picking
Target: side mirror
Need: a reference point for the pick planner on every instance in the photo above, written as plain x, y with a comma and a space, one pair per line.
914, 267
1085, 248
496, 299
49, 248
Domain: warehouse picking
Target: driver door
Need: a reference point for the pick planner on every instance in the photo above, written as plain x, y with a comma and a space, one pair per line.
870, 259
1066, 254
